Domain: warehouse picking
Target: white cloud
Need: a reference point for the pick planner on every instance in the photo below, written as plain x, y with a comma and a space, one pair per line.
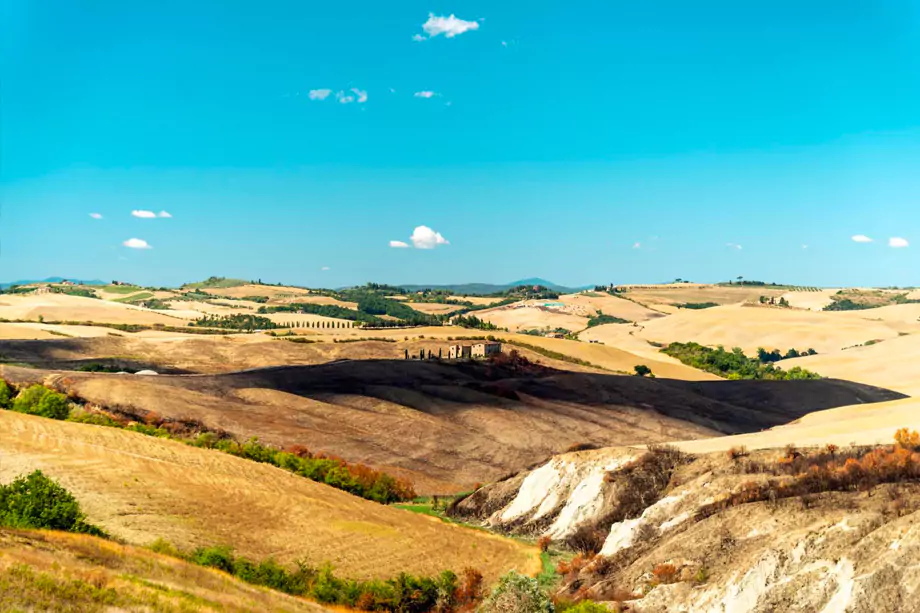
164, 215
319, 94
424, 237
96, 215
897, 242
324, 268
399, 245
637, 245
361, 94
504, 43
144, 214
862, 238
804, 246
136, 243
733, 245
448, 26
418, 38
344, 98
426, 94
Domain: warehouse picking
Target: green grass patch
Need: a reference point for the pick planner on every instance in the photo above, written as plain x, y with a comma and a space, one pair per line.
133, 297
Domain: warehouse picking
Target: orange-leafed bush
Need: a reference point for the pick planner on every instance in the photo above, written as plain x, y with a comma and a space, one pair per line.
908, 439
469, 593
825, 473
665, 573
544, 543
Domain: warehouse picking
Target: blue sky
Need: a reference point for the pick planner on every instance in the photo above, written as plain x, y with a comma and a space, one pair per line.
587, 142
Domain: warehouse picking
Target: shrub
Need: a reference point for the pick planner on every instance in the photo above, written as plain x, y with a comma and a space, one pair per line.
584, 606
581, 447
516, 593
35, 501
543, 543
39, 400
737, 452
6, 395
665, 573
642, 370
908, 439
587, 539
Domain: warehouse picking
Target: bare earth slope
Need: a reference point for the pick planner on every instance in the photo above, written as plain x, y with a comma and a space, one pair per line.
140, 488
449, 426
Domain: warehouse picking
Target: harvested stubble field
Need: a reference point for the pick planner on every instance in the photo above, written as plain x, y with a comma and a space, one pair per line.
140, 488
56, 571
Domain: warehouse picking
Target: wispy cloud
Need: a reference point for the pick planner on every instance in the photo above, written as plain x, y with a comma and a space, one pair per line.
861, 238
324, 268
733, 245
426, 94
164, 215
804, 246
96, 215
897, 242
418, 38
361, 94
392, 91
399, 245
344, 98
424, 237
319, 94
144, 214
637, 245
448, 26
137, 243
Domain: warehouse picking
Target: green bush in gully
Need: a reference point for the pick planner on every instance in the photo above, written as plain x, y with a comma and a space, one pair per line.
38, 400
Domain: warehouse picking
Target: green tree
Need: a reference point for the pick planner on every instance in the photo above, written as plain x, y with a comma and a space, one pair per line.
35, 501
39, 400
642, 370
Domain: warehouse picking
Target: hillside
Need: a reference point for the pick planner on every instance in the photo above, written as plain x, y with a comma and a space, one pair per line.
700, 533
140, 488
448, 426
55, 571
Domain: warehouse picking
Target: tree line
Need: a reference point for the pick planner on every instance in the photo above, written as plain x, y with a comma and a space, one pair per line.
732, 364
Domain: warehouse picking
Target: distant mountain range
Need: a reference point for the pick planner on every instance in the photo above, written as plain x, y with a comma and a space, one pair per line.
490, 288
52, 280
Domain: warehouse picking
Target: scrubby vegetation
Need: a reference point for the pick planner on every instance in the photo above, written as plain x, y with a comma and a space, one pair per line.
69, 290
515, 593
828, 470
471, 321
356, 479
732, 364
768, 357
237, 321
405, 593
41, 401
601, 319
858, 300
35, 501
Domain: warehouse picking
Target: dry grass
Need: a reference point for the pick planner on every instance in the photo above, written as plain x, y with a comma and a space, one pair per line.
60, 307
682, 293
751, 327
140, 488
53, 571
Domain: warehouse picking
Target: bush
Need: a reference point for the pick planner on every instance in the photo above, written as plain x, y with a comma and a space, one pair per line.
6, 395
35, 501
642, 370
516, 593
39, 400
